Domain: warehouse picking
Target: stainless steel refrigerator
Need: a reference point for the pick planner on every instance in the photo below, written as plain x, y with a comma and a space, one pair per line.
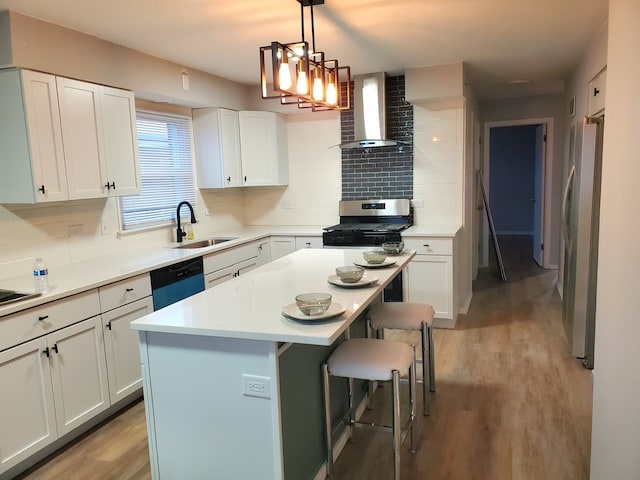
580, 222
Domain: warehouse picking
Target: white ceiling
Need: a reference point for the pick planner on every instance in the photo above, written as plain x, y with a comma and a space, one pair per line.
500, 40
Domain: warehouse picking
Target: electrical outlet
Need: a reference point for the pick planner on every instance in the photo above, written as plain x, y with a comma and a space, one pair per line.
256, 386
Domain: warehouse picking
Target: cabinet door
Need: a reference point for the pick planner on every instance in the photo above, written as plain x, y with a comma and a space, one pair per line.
121, 346
431, 282
264, 160
78, 373
217, 147
230, 148
120, 141
27, 413
45, 136
82, 138
597, 91
281, 246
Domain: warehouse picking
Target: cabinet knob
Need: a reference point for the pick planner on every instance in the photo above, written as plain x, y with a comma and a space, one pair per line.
596, 92
111, 185
128, 289
245, 178
43, 317
46, 352
41, 189
108, 326
308, 244
55, 347
228, 179
426, 245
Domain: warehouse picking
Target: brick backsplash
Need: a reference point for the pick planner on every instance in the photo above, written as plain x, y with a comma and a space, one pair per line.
381, 172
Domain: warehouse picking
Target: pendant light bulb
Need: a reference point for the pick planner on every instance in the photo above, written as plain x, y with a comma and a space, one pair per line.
332, 91
302, 86
284, 74
318, 86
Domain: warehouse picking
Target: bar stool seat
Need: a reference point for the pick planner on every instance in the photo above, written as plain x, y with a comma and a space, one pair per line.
410, 316
373, 360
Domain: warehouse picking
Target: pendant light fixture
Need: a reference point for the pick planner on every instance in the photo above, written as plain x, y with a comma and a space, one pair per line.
300, 75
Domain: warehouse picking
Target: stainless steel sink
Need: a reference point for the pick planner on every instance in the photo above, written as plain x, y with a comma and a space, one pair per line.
206, 243
9, 296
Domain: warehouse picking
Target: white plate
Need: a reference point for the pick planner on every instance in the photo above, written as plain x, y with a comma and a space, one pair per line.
363, 282
292, 311
363, 263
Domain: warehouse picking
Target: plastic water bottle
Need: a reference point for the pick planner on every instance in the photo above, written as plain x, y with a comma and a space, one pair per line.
41, 276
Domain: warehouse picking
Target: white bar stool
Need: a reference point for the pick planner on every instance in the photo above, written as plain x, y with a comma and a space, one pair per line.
373, 360
410, 316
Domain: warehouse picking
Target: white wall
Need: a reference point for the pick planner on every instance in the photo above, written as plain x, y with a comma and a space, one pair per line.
315, 176
616, 398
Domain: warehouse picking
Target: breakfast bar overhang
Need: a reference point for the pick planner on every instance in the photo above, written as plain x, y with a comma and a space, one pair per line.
232, 387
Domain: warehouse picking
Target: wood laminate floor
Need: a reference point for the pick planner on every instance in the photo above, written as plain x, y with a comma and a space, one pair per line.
511, 403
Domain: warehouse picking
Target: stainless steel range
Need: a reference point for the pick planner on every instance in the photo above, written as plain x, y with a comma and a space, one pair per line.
369, 222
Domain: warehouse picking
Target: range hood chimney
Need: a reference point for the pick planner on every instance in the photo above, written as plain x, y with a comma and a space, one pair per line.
369, 113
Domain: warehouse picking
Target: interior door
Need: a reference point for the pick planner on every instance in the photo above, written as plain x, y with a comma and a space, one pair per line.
538, 188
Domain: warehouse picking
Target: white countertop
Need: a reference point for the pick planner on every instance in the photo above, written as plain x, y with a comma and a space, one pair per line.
79, 277
250, 306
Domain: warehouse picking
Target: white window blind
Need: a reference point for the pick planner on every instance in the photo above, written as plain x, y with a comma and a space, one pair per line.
166, 171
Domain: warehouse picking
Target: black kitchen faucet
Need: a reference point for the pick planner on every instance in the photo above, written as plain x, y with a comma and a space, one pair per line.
179, 232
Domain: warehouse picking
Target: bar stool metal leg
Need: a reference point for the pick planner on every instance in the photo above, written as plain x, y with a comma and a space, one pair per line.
327, 418
412, 399
396, 425
432, 367
426, 367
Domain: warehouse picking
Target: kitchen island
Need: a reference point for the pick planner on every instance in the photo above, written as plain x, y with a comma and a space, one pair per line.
232, 387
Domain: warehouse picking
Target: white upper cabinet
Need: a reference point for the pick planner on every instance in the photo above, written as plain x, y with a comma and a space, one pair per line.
597, 90
32, 158
217, 145
65, 139
120, 141
82, 138
263, 142
236, 149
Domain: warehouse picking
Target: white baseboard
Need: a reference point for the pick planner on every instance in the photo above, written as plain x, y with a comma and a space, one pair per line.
444, 323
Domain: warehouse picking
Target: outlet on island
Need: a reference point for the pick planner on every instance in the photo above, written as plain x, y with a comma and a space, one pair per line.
256, 386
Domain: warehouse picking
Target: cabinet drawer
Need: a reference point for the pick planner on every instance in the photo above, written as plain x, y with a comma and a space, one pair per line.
430, 245
34, 322
308, 242
217, 261
125, 291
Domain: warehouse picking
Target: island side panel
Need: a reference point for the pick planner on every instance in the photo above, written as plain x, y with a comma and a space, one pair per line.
204, 426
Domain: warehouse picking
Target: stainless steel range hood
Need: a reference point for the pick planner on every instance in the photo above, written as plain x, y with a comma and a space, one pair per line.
369, 113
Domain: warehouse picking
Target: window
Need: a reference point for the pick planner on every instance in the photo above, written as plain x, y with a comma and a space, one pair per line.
166, 171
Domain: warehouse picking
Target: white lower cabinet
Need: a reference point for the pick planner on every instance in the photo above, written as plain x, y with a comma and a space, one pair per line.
281, 246
121, 347
58, 382
264, 251
78, 373
225, 265
308, 242
432, 278
27, 412
286, 244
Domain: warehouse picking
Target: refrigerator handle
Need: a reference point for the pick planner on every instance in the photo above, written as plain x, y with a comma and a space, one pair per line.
565, 204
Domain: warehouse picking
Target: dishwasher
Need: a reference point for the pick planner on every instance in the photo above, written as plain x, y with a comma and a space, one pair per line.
176, 282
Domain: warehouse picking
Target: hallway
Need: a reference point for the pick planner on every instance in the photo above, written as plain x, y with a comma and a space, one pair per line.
510, 403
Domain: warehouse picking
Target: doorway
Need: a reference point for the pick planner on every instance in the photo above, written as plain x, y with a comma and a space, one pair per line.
516, 167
